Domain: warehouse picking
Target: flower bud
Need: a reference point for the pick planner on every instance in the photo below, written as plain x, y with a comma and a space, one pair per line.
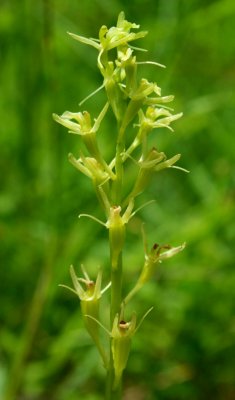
128, 67
113, 90
117, 231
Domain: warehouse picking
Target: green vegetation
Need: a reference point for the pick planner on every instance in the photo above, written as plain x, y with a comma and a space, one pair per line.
186, 349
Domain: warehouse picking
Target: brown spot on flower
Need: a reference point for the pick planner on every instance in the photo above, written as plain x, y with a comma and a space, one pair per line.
123, 324
90, 284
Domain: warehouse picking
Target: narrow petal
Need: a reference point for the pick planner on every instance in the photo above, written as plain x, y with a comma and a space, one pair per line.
100, 117
72, 126
79, 289
171, 252
85, 40
97, 291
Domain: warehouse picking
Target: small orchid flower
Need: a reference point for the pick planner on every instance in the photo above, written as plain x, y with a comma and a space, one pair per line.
122, 333
154, 118
137, 100
121, 337
80, 124
116, 224
89, 301
92, 291
120, 35
116, 36
83, 127
90, 167
157, 254
153, 162
146, 169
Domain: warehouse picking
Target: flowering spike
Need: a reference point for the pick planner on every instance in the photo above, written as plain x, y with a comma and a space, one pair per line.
136, 103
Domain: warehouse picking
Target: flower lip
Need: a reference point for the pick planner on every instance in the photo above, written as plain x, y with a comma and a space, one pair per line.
90, 284
159, 249
123, 325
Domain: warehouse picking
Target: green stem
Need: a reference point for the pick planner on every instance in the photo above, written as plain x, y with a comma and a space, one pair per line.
116, 300
116, 274
110, 393
116, 289
117, 184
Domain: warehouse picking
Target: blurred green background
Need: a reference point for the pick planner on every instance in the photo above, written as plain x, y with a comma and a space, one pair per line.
186, 348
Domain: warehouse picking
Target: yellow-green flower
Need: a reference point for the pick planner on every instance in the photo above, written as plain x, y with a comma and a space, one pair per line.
79, 123
115, 36
122, 333
121, 336
90, 167
157, 254
89, 293
116, 224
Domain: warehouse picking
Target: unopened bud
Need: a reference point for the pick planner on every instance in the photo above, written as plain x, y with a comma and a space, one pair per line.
117, 230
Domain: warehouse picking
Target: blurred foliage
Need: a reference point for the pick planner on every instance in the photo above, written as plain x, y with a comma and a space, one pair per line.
186, 347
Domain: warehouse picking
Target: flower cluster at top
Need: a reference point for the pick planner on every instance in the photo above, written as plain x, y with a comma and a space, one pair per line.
132, 101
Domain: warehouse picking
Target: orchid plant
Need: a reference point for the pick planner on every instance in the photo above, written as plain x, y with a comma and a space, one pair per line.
134, 103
